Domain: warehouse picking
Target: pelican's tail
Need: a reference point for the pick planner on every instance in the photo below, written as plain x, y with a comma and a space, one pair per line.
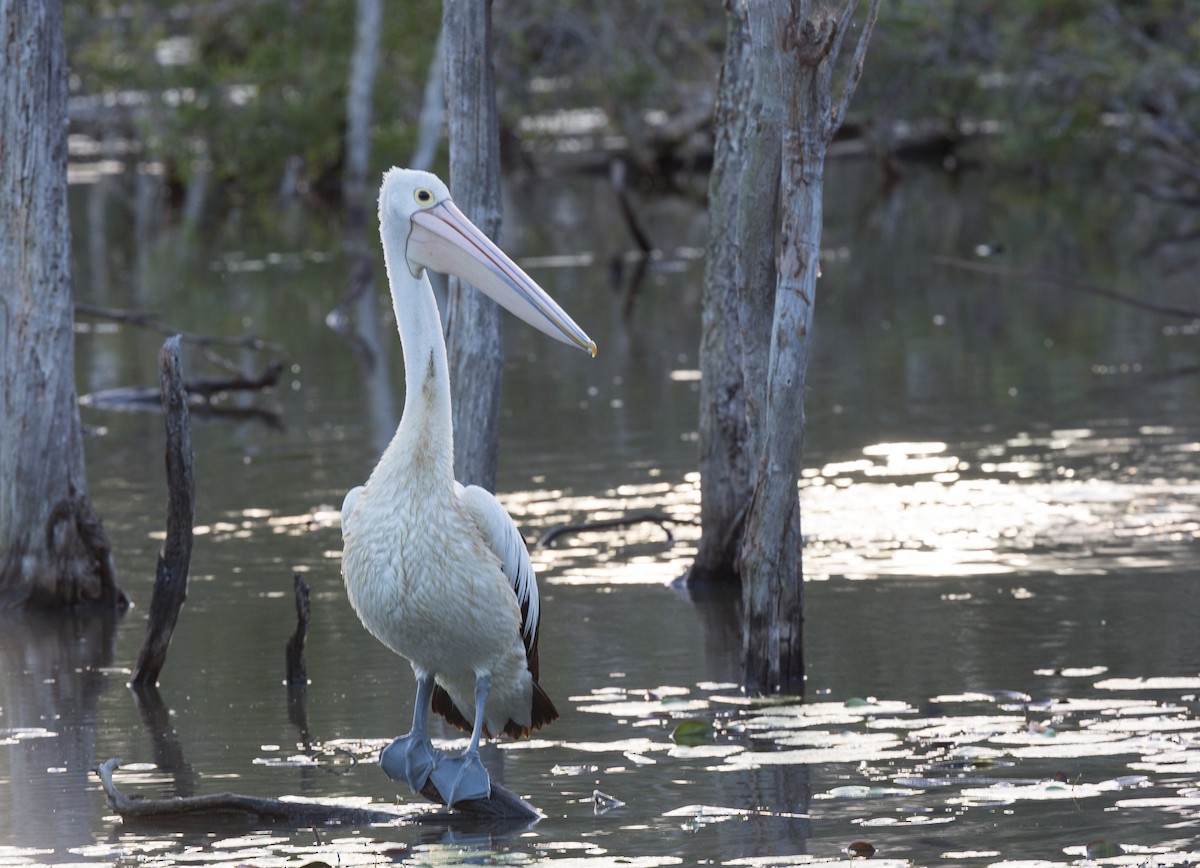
543, 712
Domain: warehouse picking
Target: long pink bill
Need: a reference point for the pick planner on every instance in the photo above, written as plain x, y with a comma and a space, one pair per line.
443, 239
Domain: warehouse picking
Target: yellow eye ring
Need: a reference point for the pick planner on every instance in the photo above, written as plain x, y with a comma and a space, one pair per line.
423, 196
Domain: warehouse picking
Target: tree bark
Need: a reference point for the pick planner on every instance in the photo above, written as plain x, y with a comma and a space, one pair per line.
757, 217
53, 549
472, 319
726, 465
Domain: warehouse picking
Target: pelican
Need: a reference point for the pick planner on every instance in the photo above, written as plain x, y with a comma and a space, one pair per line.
437, 571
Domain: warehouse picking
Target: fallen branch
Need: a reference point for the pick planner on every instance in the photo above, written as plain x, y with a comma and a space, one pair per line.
203, 389
170, 579
1072, 283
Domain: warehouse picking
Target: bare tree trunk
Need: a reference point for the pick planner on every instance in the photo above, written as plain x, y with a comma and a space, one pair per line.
433, 109
472, 319
726, 465
793, 50
53, 549
808, 41
364, 63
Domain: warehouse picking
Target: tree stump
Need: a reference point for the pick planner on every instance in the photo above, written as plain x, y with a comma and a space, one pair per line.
170, 580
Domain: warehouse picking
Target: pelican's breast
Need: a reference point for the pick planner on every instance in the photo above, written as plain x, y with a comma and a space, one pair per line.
422, 582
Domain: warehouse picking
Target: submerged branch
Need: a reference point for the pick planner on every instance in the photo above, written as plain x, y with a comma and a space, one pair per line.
547, 539
1074, 284
147, 320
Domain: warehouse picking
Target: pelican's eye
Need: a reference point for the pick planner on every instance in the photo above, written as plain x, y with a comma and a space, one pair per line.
423, 196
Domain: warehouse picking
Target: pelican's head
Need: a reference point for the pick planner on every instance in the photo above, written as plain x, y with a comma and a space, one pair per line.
417, 206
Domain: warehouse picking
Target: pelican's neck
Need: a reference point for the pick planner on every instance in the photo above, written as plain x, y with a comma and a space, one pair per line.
423, 445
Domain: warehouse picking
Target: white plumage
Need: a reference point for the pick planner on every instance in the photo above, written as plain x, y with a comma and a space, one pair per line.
438, 571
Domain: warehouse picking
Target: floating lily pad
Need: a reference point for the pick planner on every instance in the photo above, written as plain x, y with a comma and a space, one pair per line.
1101, 849
692, 732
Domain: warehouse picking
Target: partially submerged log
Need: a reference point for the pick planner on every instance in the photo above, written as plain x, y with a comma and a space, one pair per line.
225, 807
503, 807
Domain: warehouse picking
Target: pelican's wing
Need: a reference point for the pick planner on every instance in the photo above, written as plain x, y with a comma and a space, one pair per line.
348, 507
502, 537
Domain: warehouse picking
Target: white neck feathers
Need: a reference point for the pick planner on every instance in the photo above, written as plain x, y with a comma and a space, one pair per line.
423, 445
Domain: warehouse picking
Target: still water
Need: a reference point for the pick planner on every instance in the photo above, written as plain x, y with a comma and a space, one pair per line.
1002, 514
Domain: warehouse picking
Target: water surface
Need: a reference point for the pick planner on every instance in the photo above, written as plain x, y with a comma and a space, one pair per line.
1000, 508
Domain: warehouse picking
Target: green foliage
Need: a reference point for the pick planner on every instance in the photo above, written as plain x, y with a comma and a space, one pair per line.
246, 86
1043, 81
626, 57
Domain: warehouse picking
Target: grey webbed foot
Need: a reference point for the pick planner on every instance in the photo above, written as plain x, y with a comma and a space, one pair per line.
462, 778
410, 758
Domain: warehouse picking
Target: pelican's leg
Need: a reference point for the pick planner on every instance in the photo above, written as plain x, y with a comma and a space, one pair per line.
461, 778
411, 758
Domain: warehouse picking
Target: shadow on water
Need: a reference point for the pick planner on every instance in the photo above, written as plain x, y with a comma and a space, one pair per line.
166, 750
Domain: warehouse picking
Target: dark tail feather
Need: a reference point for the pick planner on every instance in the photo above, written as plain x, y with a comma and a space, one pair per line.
543, 712
442, 704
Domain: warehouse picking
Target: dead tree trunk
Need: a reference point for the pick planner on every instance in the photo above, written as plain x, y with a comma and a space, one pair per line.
795, 48
360, 91
53, 549
433, 109
472, 319
807, 42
